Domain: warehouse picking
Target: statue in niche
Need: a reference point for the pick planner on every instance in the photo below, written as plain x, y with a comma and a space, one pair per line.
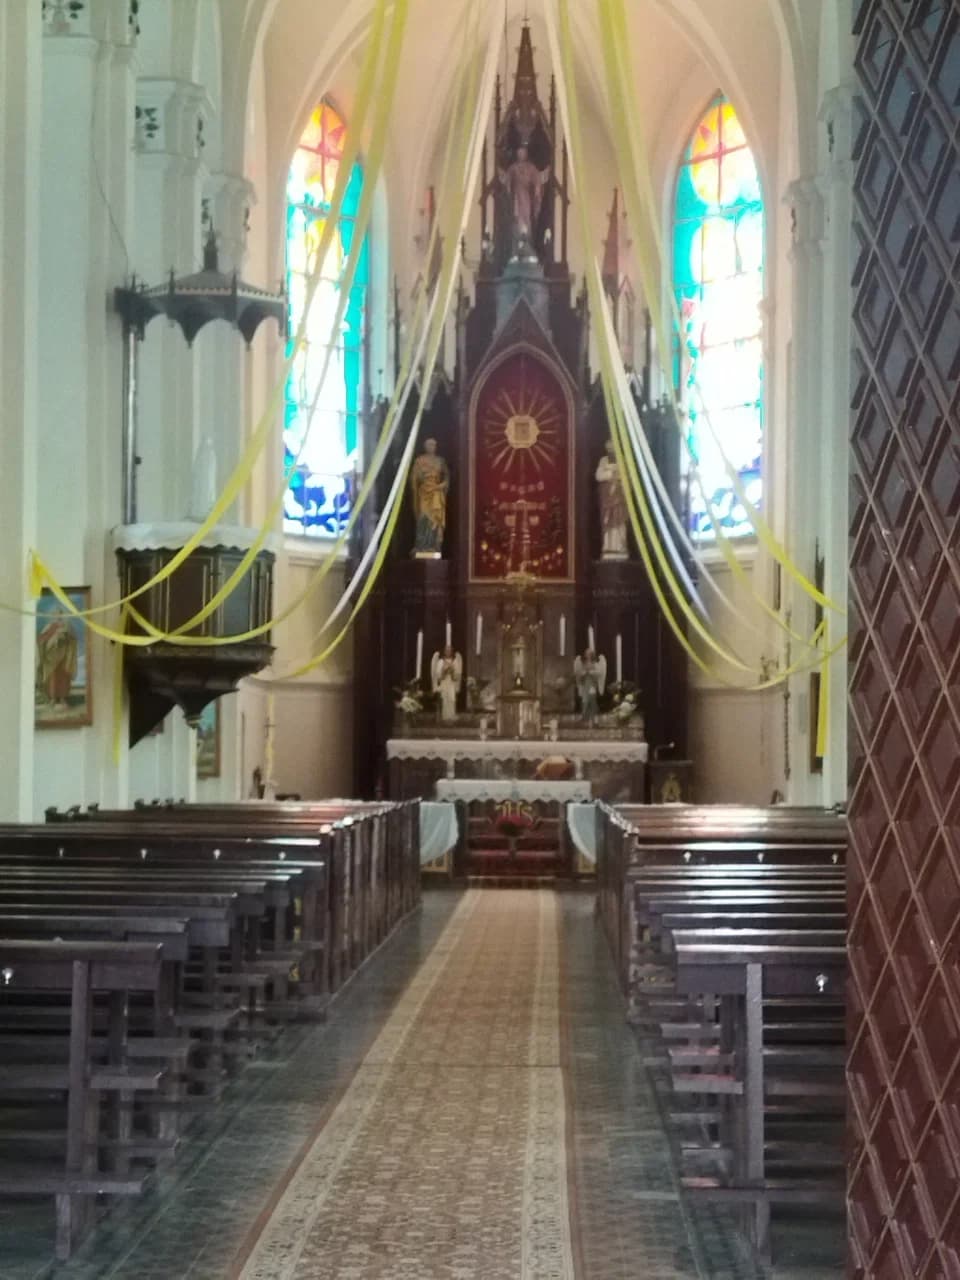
524, 184
590, 673
446, 674
613, 506
430, 484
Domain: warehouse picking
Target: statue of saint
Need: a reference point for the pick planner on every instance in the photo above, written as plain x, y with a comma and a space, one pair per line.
524, 184
590, 673
430, 482
446, 674
613, 507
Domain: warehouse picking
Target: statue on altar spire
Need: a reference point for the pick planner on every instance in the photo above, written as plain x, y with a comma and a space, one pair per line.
613, 506
524, 184
446, 674
590, 673
430, 484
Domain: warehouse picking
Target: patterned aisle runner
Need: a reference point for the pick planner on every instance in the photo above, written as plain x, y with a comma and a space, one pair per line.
445, 1159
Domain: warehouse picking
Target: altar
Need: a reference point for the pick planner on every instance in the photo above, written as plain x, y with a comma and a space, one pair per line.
612, 769
512, 795
513, 652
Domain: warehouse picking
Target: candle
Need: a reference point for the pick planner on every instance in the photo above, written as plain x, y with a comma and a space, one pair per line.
449, 634
591, 644
269, 753
416, 674
619, 658
479, 633
563, 635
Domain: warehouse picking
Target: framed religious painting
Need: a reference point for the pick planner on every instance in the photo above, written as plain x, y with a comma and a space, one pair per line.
208, 741
63, 688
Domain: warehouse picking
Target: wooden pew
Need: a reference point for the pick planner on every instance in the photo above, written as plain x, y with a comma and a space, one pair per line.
237, 902
728, 928
81, 971
744, 975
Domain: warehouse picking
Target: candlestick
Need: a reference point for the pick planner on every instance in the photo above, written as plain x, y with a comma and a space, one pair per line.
591, 643
449, 634
619, 658
416, 674
563, 635
479, 633
269, 750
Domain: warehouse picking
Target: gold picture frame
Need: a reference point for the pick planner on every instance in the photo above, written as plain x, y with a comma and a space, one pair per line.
208, 741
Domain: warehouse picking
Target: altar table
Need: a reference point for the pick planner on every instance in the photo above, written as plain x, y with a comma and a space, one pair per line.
477, 789
614, 768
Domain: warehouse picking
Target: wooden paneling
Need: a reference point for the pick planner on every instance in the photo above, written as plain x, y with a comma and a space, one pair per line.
904, 865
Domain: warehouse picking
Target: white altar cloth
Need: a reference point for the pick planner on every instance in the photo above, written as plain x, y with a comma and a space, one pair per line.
452, 749
582, 825
439, 830
471, 789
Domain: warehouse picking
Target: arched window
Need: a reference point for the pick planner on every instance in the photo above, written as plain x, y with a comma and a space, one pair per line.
317, 501
718, 278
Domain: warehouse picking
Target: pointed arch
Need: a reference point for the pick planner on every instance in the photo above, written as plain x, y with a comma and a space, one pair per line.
317, 501
718, 278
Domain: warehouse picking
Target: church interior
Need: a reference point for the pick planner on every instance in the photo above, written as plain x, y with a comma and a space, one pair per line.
478, 639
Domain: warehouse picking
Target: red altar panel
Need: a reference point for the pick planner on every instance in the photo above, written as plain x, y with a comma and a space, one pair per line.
521, 473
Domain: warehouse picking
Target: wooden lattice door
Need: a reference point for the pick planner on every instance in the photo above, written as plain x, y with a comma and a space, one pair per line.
904, 867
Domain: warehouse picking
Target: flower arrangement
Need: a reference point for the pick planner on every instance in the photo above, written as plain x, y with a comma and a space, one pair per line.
479, 695
624, 699
409, 699
515, 819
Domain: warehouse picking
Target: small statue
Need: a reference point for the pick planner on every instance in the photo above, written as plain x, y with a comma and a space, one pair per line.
590, 673
524, 184
430, 484
446, 673
613, 506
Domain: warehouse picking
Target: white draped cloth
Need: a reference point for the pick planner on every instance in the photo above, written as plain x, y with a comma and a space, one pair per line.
438, 830
582, 825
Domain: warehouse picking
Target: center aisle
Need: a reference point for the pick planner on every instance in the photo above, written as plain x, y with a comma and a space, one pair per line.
446, 1155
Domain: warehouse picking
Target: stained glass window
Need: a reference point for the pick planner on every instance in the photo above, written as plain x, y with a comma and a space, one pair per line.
718, 278
318, 498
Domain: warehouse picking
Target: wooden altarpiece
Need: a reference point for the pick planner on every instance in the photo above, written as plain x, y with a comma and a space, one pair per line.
522, 428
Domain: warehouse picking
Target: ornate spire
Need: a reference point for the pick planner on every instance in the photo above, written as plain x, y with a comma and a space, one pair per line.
526, 104
611, 248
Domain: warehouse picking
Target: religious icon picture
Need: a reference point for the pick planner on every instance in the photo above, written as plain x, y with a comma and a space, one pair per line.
63, 690
208, 741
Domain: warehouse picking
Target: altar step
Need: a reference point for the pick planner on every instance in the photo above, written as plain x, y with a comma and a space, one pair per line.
518, 881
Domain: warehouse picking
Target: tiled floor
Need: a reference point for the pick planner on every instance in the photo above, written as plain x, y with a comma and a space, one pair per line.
628, 1219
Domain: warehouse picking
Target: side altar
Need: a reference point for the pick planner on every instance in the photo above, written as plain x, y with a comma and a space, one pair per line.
513, 636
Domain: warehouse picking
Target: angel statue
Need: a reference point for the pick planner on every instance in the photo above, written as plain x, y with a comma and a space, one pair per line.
446, 672
590, 673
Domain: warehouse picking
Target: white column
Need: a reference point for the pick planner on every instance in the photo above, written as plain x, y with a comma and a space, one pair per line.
171, 125
836, 115
804, 515
220, 351
20, 105
85, 178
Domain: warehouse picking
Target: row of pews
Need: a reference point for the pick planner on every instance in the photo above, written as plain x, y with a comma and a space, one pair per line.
728, 929
147, 955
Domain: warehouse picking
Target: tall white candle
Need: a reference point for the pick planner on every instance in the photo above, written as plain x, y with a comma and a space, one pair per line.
449, 634
563, 635
591, 643
479, 633
619, 658
416, 674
